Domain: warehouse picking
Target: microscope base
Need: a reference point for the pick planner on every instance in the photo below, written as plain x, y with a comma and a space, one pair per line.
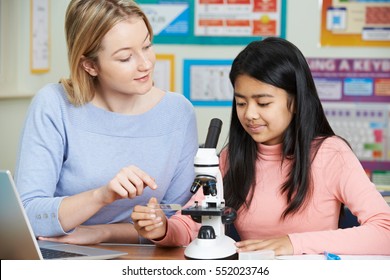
219, 248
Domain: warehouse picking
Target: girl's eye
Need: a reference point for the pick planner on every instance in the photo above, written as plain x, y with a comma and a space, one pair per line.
263, 104
240, 104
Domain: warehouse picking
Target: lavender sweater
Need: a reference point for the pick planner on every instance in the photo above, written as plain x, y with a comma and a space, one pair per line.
65, 150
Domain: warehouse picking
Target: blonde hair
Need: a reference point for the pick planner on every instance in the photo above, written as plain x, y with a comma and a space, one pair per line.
86, 23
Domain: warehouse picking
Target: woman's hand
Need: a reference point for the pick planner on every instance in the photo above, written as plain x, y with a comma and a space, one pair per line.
281, 246
94, 234
128, 183
149, 221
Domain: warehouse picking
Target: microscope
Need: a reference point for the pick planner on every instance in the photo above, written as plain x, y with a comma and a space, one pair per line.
211, 242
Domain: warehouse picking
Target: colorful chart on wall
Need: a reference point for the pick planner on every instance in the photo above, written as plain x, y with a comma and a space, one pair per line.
365, 125
355, 94
222, 22
355, 23
352, 79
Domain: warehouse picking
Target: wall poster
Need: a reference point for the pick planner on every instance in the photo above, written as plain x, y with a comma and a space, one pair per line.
39, 49
215, 21
206, 82
355, 23
164, 72
355, 94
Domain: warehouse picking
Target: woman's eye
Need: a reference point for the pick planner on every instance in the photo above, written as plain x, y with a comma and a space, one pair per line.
148, 46
125, 59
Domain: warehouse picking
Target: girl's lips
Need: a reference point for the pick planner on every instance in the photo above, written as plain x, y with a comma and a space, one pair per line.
256, 128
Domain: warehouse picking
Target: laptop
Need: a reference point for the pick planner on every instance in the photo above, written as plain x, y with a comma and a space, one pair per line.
17, 240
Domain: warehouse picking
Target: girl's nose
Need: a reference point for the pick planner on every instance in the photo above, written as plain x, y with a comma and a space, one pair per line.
252, 112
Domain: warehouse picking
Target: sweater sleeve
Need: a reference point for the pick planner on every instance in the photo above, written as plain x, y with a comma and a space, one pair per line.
349, 184
41, 151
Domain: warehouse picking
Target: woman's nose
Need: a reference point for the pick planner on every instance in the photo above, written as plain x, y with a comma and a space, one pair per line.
144, 63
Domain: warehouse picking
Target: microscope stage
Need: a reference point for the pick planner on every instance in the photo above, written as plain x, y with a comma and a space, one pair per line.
204, 211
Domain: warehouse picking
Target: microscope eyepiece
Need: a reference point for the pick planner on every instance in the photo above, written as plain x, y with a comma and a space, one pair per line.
213, 133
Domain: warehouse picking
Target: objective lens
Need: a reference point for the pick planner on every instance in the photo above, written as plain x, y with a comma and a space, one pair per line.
210, 188
196, 185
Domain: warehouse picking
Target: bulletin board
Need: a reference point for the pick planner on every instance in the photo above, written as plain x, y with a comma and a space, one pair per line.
355, 23
234, 22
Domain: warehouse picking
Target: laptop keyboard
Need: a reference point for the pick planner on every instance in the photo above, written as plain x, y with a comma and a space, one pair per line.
56, 254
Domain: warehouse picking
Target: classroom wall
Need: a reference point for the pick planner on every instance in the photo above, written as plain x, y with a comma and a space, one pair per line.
18, 85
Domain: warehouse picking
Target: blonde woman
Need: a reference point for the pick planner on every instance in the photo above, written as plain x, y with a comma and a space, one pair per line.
105, 139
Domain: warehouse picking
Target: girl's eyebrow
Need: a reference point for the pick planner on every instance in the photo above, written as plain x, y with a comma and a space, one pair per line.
236, 94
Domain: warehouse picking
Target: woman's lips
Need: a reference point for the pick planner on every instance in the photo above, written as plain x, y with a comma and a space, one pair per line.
143, 78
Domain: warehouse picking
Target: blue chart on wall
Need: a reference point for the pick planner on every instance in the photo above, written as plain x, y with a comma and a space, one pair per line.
206, 82
215, 22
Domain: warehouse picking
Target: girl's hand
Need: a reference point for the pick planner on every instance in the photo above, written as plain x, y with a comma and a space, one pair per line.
149, 221
128, 183
281, 246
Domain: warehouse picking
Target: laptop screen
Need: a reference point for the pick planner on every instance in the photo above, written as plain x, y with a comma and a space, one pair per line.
16, 236
17, 240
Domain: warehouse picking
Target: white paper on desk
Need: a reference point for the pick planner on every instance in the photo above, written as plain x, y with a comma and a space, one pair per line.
301, 257
343, 257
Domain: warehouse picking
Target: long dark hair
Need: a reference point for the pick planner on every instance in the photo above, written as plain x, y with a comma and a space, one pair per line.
277, 62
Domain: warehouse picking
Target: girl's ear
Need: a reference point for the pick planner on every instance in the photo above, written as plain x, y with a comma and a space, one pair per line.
292, 107
89, 66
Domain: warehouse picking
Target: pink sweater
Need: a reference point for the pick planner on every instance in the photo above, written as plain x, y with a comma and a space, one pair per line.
338, 177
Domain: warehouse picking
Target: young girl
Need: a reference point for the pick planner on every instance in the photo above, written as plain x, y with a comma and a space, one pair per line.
105, 139
285, 171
